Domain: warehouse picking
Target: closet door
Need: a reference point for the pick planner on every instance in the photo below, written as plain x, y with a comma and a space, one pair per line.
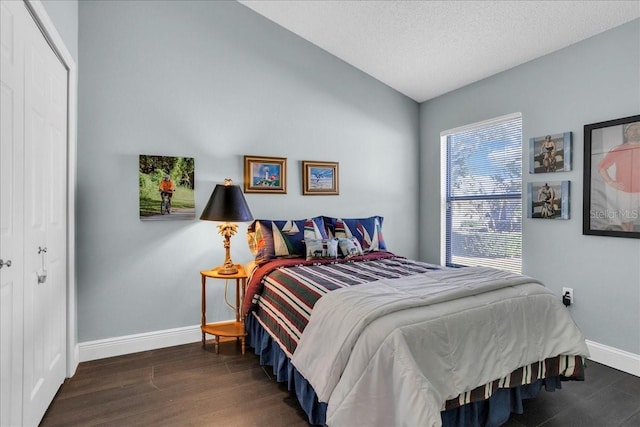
11, 211
45, 276
40, 180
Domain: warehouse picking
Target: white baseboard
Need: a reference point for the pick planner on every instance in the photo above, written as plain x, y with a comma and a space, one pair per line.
615, 358
100, 349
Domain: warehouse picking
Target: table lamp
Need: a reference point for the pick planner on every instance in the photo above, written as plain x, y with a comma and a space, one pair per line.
227, 204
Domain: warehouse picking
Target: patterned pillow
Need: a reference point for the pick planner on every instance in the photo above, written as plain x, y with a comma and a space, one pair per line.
368, 231
321, 248
270, 239
260, 239
349, 246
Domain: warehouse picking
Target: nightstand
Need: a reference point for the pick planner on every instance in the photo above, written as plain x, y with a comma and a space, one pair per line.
224, 329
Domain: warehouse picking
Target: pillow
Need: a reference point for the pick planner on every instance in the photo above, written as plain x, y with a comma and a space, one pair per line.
260, 239
350, 247
368, 231
321, 248
283, 238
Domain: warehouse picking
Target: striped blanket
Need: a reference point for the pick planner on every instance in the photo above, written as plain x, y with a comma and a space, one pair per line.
282, 293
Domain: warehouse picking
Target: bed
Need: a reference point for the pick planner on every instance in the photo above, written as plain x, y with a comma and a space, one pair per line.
365, 337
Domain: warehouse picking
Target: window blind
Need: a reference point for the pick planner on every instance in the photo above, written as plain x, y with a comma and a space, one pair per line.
483, 195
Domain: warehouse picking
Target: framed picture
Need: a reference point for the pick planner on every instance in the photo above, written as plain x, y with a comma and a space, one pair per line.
612, 178
320, 178
548, 200
550, 153
166, 187
265, 174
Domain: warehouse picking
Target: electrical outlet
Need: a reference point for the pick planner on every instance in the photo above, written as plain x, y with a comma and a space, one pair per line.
569, 293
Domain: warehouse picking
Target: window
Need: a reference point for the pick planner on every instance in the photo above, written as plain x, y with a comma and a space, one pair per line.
482, 194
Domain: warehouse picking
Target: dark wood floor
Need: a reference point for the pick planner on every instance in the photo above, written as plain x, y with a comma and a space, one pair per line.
189, 386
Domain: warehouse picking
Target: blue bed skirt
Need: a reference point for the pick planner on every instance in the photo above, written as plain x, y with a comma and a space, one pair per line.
488, 413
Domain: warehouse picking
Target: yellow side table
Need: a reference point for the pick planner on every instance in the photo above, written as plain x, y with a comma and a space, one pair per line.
224, 329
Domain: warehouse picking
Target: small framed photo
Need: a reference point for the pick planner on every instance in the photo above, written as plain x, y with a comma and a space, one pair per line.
265, 174
550, 153
548, 200
320, 178
611, 200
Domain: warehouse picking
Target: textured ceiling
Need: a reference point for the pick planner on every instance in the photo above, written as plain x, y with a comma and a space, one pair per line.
426, 48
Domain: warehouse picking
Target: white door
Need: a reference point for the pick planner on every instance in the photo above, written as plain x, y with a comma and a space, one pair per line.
42, 185
11, 212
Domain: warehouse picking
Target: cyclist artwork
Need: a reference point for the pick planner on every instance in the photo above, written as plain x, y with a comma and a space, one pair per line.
550, 153
548, 200
166, 188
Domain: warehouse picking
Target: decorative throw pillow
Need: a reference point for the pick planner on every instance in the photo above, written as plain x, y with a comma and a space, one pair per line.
260, 238
321, 248
349, 246
368, 231
282, 244
283, 238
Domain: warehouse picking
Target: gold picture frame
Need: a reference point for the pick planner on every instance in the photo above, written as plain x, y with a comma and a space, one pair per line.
265, 174
320, 178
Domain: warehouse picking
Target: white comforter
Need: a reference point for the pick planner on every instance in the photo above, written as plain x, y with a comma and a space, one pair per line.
378, 357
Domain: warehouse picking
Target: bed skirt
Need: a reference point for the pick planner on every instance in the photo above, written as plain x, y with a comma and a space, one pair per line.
490, 412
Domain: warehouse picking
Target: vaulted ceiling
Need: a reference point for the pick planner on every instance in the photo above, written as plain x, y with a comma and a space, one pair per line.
427, 48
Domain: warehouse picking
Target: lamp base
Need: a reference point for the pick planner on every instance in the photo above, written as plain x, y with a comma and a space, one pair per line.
227, 269
227, 230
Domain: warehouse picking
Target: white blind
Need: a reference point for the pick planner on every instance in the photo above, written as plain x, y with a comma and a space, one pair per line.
483, 195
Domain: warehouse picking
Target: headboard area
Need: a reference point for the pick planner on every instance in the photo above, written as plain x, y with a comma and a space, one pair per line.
318, 237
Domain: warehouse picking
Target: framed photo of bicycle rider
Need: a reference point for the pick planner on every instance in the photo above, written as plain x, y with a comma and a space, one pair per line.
166, 188
611, 202
550, 153
265, 175
548, 200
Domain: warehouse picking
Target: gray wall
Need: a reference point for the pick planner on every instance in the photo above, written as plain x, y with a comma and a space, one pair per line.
64, 15
215, 81
592, 81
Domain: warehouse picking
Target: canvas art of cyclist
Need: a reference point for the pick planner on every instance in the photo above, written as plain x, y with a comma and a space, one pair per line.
166, 187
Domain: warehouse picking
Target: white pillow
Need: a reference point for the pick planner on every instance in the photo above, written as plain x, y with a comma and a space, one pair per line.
350, 247
321, 248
